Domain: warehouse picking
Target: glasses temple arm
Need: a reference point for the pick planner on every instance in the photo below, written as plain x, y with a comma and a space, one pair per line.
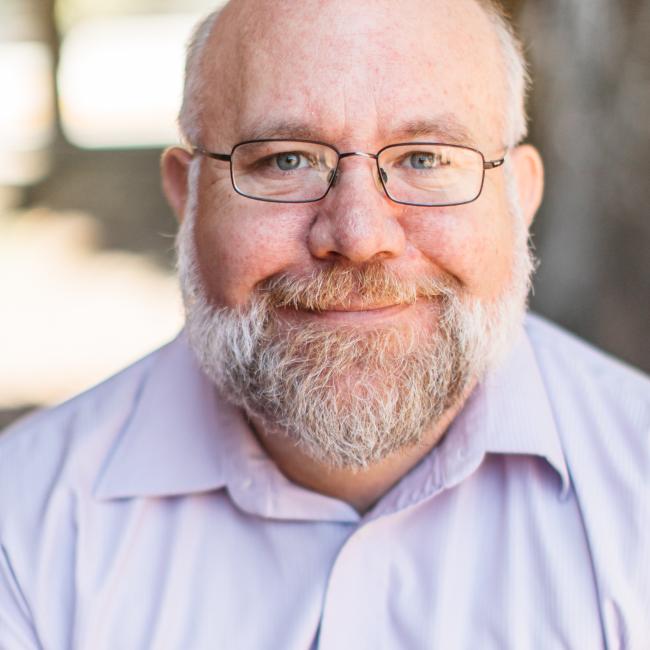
210, 154
492, 164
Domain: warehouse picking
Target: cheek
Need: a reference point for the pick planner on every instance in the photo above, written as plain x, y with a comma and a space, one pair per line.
473, 245
242, 243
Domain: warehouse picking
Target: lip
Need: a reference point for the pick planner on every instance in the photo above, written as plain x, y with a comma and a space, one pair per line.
363, 315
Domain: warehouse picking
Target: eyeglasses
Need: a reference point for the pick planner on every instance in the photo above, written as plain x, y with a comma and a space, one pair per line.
303, 171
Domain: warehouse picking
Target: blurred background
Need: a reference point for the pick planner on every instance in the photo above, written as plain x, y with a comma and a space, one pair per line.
89, 91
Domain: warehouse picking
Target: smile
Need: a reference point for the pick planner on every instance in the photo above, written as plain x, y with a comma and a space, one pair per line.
360, 315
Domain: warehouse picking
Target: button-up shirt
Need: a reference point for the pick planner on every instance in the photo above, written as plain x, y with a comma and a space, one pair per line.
145, 515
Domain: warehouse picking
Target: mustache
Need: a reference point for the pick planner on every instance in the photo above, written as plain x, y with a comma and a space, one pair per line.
340, 287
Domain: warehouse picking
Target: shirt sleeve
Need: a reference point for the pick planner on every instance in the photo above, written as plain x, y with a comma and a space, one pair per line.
17, 631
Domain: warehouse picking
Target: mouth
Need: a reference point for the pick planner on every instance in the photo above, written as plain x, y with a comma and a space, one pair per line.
355, 315
361, 312
372, 298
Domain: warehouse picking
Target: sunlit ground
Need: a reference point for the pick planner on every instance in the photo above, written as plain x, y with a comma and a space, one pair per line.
70, 313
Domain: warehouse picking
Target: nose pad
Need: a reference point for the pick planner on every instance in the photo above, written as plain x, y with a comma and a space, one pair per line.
333, 177
383, 174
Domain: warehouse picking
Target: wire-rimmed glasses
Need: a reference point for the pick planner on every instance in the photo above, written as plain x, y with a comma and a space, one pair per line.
303, 171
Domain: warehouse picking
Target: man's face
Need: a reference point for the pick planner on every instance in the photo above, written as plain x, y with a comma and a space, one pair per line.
359, 76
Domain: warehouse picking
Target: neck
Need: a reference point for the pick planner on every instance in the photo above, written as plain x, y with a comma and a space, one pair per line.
361, 488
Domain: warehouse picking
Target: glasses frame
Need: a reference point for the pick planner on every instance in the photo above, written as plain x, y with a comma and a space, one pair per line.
487, 164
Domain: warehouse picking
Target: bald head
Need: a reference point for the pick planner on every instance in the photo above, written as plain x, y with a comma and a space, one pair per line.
248, 41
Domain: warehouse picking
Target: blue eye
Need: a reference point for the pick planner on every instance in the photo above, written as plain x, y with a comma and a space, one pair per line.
423, 160
288, 161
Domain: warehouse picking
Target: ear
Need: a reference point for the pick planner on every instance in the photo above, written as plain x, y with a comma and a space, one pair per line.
529, 173
174, 168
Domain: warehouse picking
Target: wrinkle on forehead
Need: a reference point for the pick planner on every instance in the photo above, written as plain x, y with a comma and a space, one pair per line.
342, 48
442, 128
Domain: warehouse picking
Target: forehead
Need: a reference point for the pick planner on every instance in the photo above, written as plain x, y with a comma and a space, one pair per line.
352, 72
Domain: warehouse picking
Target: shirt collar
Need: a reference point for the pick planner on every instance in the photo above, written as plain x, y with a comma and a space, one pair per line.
170, 444
508, 413
184, 438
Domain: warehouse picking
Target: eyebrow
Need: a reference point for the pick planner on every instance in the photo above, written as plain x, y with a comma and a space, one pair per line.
279, 129
443, 128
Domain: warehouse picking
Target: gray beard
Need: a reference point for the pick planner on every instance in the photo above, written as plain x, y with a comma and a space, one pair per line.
348, 397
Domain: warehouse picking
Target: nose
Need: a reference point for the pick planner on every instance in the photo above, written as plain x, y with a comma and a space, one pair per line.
356, 221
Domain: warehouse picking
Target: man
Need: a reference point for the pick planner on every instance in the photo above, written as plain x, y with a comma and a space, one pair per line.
354, 444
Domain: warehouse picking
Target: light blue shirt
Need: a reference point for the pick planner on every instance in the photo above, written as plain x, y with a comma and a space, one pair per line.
144, 515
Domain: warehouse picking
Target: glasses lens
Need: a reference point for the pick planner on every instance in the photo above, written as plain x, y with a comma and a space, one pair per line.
431, 174
283, 170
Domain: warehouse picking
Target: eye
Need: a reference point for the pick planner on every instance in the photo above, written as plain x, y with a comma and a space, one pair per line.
290, 160
423, 160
